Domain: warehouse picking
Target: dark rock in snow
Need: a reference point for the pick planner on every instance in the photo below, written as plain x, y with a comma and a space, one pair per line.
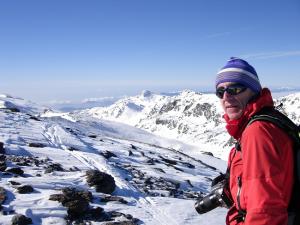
2, 162
208, 153
103, 182
15, 170
54, 167
25, 189
76, 201
123, 219
2, 195
3, 166
2, 150
71, 131
169, 106
70, 194
108, 154
77, 208
160, 170
20, 219
92, 136
189, 165
74, 168
14, 182
169, 161
151, 161
109, 198
57, 197
36, 145
34, 118
14, 109
26, 160
71, 148
2, 157
133, 147
22, 164
95, 212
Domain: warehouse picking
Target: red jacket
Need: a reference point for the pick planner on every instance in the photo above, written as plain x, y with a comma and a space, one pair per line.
264, 165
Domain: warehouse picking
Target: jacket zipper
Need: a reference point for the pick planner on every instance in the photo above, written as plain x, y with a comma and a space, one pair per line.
241, 212
238, 195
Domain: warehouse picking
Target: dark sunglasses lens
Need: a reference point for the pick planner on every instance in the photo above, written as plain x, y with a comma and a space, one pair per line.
220, 92
232, 90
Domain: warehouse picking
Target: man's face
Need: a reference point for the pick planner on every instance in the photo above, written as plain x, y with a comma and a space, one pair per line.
234, 105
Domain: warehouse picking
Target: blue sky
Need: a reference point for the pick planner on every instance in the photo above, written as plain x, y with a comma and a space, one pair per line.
71, 50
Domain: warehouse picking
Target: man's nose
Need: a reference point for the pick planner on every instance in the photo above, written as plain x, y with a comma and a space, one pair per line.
226, 95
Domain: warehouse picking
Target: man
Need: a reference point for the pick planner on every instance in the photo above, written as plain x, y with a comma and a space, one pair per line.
261, 168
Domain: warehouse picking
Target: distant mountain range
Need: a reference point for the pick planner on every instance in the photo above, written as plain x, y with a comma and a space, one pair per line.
191, 117
67, 106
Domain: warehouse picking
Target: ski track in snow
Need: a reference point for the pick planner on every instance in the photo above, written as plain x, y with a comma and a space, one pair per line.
94, 161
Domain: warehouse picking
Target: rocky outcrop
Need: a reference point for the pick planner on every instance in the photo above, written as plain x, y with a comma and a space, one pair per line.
103, 182
2, 150
36, 145
15, 170
108, 154
2, 196
79, 209
25, 189
2, 163
76, 201
54, 167
20, 219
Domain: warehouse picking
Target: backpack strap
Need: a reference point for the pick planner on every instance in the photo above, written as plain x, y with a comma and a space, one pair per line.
280, 120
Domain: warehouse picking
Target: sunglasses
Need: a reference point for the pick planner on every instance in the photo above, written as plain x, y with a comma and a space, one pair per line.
234, 89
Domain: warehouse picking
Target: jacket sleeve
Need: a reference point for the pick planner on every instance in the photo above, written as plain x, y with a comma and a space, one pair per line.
267, 174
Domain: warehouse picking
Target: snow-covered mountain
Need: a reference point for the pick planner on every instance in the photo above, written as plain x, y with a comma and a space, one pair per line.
290, 105
54, 169
191, 117
55, 166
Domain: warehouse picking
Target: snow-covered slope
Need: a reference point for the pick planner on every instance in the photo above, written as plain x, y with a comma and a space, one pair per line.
290, 105
20, 105
157, 179
191, 117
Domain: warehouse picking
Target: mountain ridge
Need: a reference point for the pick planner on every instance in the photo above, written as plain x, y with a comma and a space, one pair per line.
192, 117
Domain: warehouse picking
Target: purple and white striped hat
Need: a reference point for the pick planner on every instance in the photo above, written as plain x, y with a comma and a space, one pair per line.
239, 71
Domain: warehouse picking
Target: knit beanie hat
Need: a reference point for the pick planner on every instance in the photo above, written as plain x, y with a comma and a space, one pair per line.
239, 71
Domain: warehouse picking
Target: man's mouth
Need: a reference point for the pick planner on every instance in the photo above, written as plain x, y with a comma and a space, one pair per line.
230, 106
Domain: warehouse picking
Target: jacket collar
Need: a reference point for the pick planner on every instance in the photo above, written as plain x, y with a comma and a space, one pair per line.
236, 127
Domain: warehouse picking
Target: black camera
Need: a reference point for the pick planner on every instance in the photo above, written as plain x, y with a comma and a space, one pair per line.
219, 196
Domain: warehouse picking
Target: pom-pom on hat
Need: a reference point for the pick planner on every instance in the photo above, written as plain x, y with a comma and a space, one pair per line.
239, 71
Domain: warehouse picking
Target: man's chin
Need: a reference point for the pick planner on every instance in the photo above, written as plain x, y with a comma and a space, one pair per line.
234, 114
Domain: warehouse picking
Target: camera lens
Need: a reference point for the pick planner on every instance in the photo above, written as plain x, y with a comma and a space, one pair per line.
207, 203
